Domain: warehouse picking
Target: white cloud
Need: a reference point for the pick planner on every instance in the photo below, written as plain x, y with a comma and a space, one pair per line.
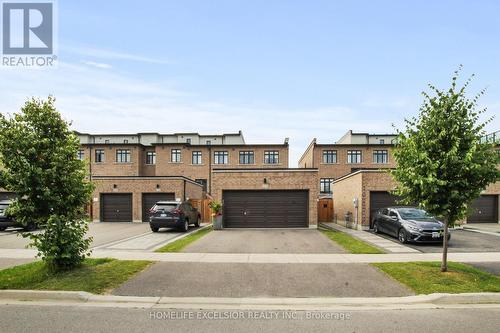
97, 64
113, 55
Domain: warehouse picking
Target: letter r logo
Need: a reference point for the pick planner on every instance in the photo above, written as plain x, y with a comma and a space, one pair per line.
27, 28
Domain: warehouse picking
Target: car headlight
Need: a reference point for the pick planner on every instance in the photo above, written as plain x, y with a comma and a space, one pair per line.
414, 228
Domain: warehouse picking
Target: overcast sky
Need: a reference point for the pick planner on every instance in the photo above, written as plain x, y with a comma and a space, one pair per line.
274, 69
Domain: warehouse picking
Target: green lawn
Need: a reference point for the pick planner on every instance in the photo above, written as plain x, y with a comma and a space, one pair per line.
426, 277
95, 275
351, 244
183, 242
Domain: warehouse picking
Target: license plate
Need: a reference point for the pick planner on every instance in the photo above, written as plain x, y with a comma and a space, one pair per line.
436, 235
163, 215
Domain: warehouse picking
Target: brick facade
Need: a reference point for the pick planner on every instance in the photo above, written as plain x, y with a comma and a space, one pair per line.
182, 187
290, 179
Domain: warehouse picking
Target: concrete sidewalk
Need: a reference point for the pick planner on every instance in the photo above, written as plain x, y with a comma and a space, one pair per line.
373, 239
297, 258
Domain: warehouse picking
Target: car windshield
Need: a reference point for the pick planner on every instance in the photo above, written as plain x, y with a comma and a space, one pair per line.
165, 207
413, 213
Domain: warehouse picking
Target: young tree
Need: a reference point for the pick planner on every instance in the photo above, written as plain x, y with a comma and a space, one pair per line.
38, 152
442, 163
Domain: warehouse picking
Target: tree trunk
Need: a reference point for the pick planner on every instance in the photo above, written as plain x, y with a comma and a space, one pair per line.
444, 261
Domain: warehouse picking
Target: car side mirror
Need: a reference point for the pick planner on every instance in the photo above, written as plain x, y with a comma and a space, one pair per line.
394, 218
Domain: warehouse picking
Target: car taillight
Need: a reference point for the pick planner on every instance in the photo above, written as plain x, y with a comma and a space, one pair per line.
177, 212
152, 211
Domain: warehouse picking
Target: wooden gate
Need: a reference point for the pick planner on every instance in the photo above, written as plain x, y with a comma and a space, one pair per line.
325, 210
202, 206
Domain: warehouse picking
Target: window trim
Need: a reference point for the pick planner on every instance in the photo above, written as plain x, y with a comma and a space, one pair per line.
153, 154
323, 182
334, 154
225, 155
275, 154
246, 154
127, 153
349, 156
199, 155
103, 160
380, 152
177, 152
80, 154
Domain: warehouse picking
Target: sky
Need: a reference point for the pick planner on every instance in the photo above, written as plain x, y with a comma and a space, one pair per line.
273, 69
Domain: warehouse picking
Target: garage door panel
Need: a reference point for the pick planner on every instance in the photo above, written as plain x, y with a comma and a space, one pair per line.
381, 199
150, 199
265, 209
484, 210
116, 207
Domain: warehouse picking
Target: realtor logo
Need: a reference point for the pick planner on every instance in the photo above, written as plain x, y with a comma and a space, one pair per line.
28, 30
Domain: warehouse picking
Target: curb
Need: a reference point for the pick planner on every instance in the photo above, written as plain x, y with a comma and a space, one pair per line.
88, 299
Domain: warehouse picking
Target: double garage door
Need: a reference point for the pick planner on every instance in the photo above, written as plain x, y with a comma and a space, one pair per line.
265, 209
118, 207
483, 210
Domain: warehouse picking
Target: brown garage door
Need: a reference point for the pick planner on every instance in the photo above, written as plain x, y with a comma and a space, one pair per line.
381, 199
116, 207
7, 195
484, 210
149, 200
266, 209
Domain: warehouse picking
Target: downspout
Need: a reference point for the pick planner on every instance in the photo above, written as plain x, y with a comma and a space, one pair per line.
184, 195
210, 170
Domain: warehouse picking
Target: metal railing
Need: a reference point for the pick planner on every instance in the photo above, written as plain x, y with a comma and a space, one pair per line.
492, 138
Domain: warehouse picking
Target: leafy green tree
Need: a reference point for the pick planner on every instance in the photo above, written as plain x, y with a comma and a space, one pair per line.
442, 163
39, 154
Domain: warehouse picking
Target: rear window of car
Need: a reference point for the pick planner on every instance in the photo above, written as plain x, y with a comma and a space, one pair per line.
165, 207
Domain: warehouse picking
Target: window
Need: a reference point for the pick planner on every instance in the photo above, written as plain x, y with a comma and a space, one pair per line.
125, 141
271, 157
150, 157
196, 158
175, 156
99, 155
380, 156
354, 156
202, 182
123, 156
325, 185
80, 155
209, 142
382, 141
188, 141
329, 156
106, 141
247, 157
221, 157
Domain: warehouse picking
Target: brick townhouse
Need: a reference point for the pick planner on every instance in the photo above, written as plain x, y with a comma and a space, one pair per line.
352, 174
132, 171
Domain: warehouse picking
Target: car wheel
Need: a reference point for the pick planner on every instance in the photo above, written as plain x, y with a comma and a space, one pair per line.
3, 228
375, 228
185, 226
155, 229
402, 236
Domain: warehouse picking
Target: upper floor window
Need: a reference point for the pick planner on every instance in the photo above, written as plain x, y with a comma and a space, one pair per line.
354, 156
325, 185
123, 156
80, 154
209, 142
106, 141
175, 156
271, 157
188, 141
382, 141
329, 156
125, 141
247, 157
150, 157
196, 157
380, 156
99, 155
221, 157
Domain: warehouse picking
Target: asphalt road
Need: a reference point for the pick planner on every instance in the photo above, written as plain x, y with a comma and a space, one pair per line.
26, 318
264, 241
261, 280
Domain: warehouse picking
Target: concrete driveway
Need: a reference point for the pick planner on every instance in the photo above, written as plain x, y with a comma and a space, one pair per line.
179, 279
264, 241
115, 235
